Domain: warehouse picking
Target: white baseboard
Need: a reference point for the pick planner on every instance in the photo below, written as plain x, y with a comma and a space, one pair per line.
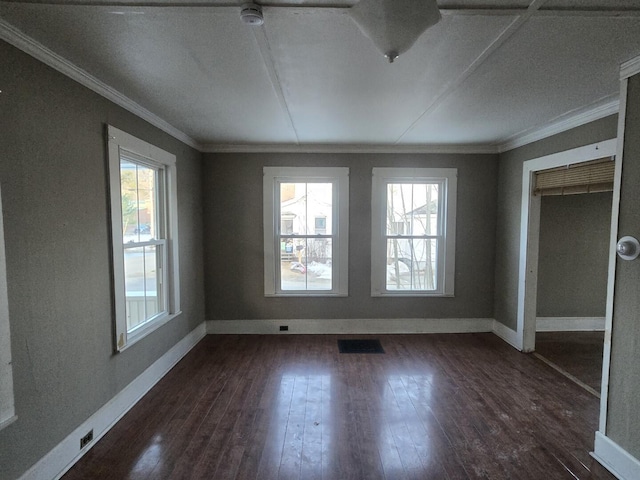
615, 459
64, 455
570, 324
508, 335
351, 326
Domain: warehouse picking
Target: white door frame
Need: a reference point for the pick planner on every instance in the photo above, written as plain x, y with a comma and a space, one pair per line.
530, 231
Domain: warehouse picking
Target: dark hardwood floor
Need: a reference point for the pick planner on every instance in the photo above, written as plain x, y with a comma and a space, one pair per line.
462, 406
577, 353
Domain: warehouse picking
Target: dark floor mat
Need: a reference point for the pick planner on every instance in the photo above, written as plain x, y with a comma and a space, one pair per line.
360, 346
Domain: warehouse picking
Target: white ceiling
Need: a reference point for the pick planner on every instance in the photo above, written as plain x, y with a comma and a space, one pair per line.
490, 74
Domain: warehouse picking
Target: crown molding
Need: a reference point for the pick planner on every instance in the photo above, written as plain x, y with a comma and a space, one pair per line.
349, 148
630, 68
18, 39
15, 37
610, 108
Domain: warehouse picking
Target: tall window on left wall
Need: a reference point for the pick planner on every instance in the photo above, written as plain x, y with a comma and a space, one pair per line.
7, 409
144, 235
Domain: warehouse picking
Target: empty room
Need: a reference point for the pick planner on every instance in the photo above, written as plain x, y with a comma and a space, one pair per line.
334, 239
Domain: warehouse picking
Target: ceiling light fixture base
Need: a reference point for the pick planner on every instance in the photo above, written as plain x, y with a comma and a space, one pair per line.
251, 14
391, 56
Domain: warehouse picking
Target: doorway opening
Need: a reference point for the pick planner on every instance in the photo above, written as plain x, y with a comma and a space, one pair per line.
573, 260
549, 280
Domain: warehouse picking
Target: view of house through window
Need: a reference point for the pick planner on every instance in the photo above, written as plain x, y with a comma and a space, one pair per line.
306, 231
413, 231
143, 240
305, 237
413, 235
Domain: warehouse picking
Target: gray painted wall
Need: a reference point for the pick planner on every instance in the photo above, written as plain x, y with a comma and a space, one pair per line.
234, 238
509, 204
574, 255
623, 421
53, 178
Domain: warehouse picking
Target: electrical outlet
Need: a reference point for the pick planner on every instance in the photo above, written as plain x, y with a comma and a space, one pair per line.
284, 328
86, 439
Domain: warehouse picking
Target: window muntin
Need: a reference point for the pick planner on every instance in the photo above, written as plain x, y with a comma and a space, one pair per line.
306, 231
413, 238
144, 226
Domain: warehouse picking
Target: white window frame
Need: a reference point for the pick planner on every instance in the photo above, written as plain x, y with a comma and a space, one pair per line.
157, 158
7, 401
273, 177
448, 177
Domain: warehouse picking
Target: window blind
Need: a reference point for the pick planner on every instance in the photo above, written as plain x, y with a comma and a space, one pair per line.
588, 177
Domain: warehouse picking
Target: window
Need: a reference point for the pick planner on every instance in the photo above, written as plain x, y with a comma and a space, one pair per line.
144, 232
321, 225
7, 409
413, 231
306, 212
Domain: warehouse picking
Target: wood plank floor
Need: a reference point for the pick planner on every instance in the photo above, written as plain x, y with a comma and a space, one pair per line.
577, 353
463, 406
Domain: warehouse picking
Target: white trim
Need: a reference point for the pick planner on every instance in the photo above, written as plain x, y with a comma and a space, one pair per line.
507, 334
630, 68
8, 421
158, 158
524, 138
18, 39
362, 326
15, 37
447, 202
570, 324
7, 406
349, 148
141, 147
529, 230
613, 240
615, 459
339, 177
64, 455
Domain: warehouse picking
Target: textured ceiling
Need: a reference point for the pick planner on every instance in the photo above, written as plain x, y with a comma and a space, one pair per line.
488, 72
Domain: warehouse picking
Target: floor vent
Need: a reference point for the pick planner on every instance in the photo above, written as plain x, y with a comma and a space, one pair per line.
360, 346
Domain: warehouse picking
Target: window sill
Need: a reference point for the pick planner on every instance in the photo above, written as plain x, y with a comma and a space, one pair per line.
276, 295
412, 294
8, 421
146, 329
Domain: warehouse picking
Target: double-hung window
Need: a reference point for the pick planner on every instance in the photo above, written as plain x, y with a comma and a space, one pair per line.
413, 231
144, 236
306, 231
7, 408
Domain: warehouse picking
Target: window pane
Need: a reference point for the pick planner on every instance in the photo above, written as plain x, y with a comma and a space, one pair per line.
293, 208
319, 208
306, 208
320, 225
151, 280
142, 286
411, 264
305, 264
139, 202
424, 217
412, 209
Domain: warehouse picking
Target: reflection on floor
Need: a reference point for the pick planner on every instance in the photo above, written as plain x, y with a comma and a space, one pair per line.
577, 353
441, 407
